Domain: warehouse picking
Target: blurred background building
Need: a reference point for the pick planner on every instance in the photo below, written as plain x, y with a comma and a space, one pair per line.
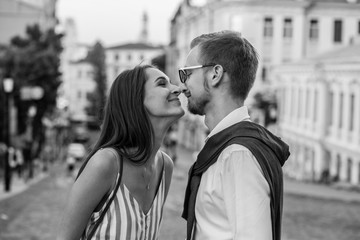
20, 13
286, 32
125, 56
319, 115
77, 72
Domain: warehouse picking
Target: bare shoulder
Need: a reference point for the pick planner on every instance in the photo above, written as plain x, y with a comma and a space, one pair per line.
97, 178
104, 161
102, 167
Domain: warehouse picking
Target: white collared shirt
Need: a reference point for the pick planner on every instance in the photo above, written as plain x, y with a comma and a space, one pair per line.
233, 200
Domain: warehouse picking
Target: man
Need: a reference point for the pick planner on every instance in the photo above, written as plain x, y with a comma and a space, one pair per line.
235, 187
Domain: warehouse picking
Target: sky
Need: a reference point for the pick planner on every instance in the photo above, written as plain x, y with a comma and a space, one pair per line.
118, 21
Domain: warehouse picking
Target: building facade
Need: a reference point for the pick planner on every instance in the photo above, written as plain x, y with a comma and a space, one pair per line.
319, 115
82, 84
126, 56
15, 15
282, 31
77, 73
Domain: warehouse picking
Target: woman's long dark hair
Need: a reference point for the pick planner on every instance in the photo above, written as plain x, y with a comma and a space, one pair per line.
126, 123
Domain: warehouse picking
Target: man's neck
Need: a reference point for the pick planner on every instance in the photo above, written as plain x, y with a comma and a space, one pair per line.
218, 111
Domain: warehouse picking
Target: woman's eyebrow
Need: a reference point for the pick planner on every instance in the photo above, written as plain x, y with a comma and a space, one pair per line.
161, 78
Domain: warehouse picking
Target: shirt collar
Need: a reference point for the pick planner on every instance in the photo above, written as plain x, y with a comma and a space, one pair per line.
238, 115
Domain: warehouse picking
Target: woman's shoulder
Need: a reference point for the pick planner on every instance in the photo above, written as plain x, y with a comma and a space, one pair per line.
105, 161
99, 173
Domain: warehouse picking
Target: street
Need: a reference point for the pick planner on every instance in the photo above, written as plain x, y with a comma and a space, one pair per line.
34, 214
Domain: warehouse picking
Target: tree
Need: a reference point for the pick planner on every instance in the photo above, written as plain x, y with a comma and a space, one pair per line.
97, 98
31, 61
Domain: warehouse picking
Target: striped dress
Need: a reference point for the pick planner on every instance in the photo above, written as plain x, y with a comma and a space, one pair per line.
125, 220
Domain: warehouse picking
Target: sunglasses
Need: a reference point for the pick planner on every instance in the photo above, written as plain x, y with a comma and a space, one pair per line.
184, 75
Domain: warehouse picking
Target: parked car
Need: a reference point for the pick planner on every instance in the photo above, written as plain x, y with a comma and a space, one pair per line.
77, 150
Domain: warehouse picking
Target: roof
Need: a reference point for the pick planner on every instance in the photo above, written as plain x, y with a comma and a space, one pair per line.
334, 1
84, 60
341, 56
344, 54
30, 4
135, 46
323, 1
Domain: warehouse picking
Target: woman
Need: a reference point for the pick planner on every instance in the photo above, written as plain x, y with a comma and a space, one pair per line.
141, 106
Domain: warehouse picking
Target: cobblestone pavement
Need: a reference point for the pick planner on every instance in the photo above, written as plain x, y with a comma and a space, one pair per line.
34, 214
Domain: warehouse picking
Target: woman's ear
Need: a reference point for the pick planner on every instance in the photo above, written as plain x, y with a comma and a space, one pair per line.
217, 75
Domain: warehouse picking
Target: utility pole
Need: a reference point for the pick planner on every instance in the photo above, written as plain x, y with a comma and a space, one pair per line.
8, 85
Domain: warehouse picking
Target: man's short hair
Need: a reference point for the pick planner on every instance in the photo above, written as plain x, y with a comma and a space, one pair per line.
235, 54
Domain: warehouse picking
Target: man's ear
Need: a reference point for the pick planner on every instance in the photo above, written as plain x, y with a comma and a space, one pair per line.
217, 75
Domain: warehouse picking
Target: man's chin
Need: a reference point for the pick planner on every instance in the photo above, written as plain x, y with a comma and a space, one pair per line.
194, 110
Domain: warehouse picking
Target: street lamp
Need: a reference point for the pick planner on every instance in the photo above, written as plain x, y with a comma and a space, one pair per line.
8, 88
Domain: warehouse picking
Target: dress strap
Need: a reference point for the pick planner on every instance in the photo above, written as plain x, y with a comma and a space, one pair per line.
97, 223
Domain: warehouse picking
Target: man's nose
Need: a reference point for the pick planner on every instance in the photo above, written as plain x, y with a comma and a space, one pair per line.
183, 88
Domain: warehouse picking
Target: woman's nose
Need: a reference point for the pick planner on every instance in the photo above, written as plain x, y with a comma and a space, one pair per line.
176, 90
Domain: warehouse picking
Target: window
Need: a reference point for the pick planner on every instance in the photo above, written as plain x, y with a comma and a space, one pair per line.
359, 27
338, 31
129, 57
288, 28
268, 27
116, 57
314, 30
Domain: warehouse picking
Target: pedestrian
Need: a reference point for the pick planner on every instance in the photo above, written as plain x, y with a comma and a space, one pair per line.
121, 188
70, 163
19, 162
235, 187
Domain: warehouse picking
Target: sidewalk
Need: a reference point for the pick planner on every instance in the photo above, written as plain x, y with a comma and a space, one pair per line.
319, 191
183, 163
19, 185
